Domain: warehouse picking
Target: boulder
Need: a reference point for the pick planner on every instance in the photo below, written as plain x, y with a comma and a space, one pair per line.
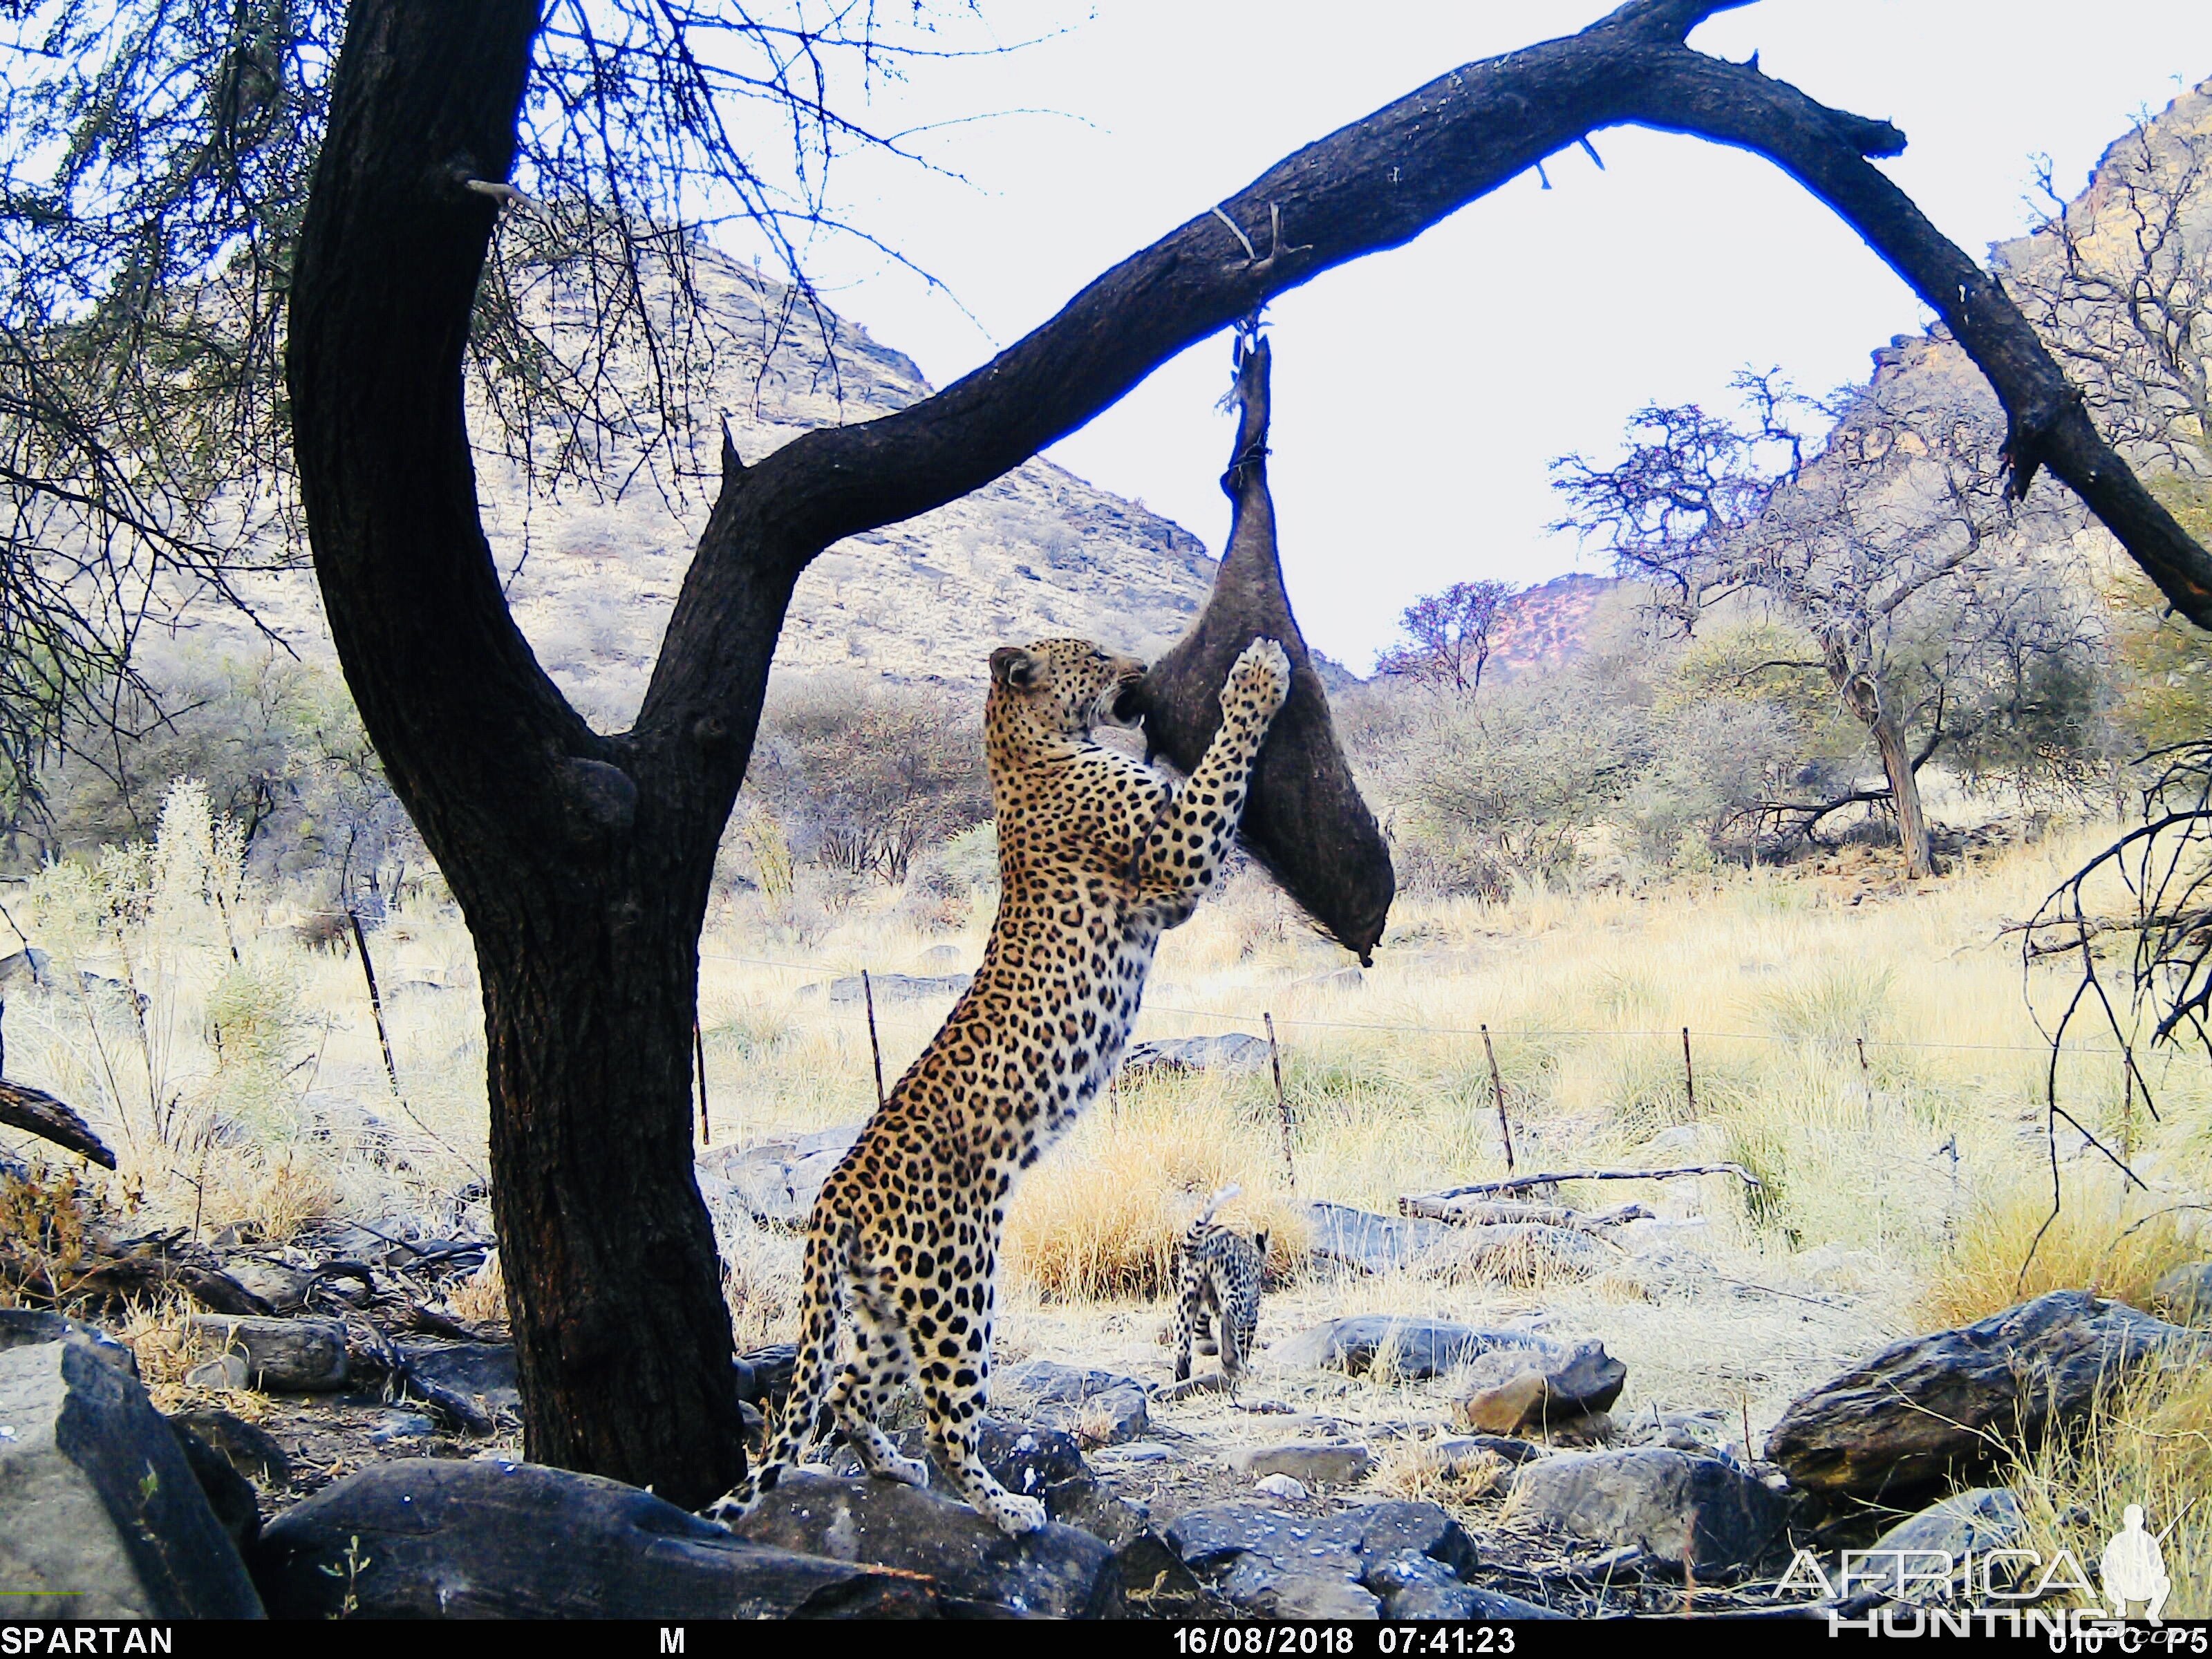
1977, 1520
483, 1374
1421, 1587
1054, 1572
1234, 1053
1511, 1388
774, 1181
764, 1374
1360, 1240
890, 988
1678, 1509
122, 1527
1309, 1462
1098, 1407
251, 1450
283, 1288
1270, 1564
220, 1375
1413, 1350
31, 1328
1289, 1488
229, 1494
1935, 1405
286, 1356
487, 1539
2183, 1294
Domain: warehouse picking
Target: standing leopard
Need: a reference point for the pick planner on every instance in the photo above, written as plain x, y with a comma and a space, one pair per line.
1218, 1277
1097, 856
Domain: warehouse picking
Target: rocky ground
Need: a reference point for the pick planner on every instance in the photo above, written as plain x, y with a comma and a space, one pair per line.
1563, 1452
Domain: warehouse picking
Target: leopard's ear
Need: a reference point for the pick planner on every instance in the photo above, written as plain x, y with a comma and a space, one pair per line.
1013, 666
1260, 1245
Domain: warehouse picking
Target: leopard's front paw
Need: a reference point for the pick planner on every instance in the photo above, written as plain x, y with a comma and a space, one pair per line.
731, 1506
1259, 682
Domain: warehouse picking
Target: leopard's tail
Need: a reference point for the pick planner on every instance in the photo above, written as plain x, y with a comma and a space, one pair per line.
822, 1299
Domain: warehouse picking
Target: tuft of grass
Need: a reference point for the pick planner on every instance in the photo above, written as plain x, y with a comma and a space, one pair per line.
2102, 1242
1099, 1219
2150, 1443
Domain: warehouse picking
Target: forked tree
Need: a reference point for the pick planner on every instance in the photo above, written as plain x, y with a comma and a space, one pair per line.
582, 860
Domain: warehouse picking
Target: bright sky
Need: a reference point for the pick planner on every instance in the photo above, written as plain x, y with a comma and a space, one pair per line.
1420, 394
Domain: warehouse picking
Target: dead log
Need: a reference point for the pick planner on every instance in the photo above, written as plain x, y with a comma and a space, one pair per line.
36, 1112
1305, 821
112, 1281
1477, 1213
1519, 1182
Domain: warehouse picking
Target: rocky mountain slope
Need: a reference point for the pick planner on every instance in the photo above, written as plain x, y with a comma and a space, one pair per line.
593, 575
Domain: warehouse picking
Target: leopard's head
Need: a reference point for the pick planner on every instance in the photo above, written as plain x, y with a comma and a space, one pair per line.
1065, 687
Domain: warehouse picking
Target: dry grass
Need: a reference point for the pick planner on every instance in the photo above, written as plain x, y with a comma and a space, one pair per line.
253, 1093
1100, 1219
2113, 1242
2150, 1444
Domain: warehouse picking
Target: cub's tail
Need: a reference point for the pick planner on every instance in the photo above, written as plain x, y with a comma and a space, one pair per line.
1204, 1218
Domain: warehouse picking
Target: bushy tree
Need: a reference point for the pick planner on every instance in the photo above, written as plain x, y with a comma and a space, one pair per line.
865, 773
1448, 636
1890, 544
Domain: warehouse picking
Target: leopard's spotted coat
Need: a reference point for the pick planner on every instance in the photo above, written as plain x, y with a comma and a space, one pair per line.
1097, 857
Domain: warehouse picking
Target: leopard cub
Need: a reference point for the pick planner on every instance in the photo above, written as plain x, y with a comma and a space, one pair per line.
1217, 1274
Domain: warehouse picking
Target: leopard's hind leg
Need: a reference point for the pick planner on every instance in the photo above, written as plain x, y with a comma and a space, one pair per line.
797, 1424
883, 1360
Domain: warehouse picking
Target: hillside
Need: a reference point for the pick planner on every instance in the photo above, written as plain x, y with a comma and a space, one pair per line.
593, 577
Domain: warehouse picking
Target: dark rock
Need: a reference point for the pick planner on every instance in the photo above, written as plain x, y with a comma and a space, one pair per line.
1678, 1509
1271, 1564
440, 1539
1931, 1407
1309, 1462
1055, 1571
483, 1374
1100, 1407
1512, 1387
302, 1356
1234, 1053
1421, 1587
250, 1450
229, 1494
771, 1369
1362, 1242
283, 1288
774, 1181
1981, 1519
31, 1328
104, 1518
2183, 1294
1410, 1350
891, 988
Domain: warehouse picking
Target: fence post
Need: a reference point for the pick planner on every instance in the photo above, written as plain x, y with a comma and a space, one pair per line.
1498, 1088
1689, 1076
376, 1001
875, 1049
1866, 1084
1282, 1102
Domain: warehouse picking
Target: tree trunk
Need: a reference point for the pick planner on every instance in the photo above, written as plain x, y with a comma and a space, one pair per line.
621, 1332
1904, 795
1862, 694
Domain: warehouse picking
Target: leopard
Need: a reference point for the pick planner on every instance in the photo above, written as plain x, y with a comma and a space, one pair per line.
1098, 856
1218, 1281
